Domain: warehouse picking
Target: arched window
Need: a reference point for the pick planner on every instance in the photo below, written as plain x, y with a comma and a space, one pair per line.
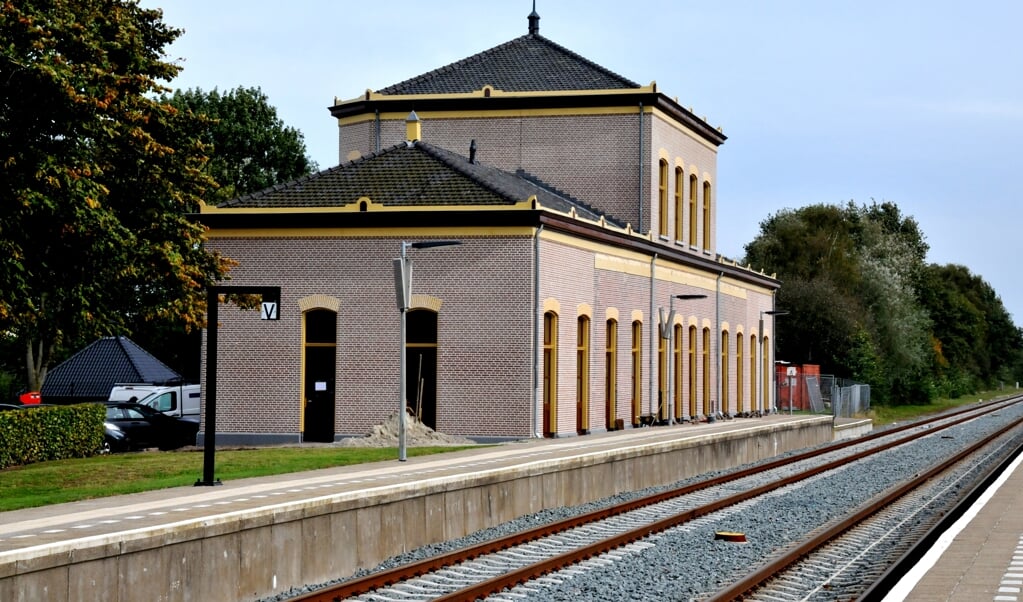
754, 406
740, 369
692, 373
662, 378
723, 406
679, 209
637, 371
693, 188
765, 372
706, 371
662, 192
582, 376
706, 216
678, 385
550, 374
611, 373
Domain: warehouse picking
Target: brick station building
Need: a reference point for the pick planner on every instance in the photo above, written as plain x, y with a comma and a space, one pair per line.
583, 203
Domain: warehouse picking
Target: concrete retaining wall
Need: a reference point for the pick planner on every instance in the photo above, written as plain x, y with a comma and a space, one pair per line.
247, 555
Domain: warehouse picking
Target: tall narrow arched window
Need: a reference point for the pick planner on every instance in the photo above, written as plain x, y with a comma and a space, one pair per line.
723, 406
611, 373
706, 371
582, 376
662, 197
550, 374
677, 381
637, 371
707, 230
693, 411
693, 188
740, 373
765, 373
662, 378
754, 406
679, 209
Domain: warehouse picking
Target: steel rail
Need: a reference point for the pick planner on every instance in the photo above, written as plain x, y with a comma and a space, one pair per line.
390, 577
768, 571
911, 557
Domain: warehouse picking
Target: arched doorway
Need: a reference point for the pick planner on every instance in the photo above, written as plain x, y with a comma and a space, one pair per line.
421, 365
319, 375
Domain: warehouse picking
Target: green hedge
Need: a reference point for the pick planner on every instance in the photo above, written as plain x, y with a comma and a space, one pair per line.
50, 433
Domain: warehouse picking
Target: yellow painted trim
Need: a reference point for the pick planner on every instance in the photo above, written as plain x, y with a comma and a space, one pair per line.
420, 301
371, 206
552, 305
319, 302
611, 313
495, 114
464, 232
489, 91
584, 309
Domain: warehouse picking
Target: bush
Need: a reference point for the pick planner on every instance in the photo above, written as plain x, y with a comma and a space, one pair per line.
50, 433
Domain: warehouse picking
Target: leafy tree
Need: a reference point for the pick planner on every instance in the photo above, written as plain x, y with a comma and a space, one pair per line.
250, 147
865, 304
97, 176
848, 277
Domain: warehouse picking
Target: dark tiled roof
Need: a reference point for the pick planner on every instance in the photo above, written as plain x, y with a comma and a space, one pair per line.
531, 63
414, 175
93, 371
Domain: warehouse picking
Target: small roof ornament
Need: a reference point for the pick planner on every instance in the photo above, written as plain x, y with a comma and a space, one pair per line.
534, 21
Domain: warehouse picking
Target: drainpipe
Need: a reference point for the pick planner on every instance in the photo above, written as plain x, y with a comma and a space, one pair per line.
653, 359
716, 406
534, 424
640, 191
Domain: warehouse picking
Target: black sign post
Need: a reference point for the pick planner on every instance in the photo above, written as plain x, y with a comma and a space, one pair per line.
269, 310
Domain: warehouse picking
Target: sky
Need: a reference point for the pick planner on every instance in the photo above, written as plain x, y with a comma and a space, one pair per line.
916, 102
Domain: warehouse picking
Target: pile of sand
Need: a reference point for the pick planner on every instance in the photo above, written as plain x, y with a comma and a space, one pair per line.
416, 434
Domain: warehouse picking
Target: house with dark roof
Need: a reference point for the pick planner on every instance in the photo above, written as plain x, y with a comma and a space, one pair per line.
585, 293
90, 374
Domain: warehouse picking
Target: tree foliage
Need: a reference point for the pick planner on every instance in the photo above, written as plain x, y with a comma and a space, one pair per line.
250, 147
865, 304
97, 176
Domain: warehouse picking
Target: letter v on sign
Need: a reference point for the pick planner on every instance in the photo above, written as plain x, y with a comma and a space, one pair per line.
269, 310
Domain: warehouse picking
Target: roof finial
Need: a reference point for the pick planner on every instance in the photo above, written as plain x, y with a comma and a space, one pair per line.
534, 21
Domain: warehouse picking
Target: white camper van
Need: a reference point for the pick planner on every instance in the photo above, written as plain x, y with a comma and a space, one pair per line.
181, 401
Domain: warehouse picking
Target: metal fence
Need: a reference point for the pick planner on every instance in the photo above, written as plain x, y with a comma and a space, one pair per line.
824, 394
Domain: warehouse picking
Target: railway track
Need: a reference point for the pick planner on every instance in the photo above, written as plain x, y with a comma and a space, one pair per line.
542, 555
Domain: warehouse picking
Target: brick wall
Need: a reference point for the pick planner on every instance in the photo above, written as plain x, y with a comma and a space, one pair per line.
484, 337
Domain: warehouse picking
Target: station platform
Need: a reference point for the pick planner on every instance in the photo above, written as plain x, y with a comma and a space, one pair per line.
980, 558
265, 535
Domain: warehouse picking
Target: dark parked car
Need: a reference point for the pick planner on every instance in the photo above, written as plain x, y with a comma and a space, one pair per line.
145, 427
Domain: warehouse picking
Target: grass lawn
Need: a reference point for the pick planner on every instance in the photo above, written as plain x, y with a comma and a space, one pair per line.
883, 415
85, 478
80, 479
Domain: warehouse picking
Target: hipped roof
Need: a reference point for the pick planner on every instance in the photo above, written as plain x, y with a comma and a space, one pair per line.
93, 371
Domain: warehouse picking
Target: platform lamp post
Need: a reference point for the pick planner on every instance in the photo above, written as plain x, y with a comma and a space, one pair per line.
763, 380
403, 288
667, 331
